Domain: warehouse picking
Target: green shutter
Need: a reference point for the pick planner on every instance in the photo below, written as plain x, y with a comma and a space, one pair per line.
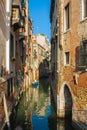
83, 53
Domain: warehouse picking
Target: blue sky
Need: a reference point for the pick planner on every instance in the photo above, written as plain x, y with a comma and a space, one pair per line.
39, 13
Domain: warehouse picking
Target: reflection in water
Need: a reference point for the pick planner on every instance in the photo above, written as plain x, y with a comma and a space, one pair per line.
34, 108
61, 125
34, 112
64, 125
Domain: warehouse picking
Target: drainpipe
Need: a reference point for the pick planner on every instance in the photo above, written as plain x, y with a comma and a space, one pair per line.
58, 57
8, 17
6, 111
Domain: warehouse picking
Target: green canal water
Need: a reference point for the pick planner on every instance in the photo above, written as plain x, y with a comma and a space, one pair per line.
35, 110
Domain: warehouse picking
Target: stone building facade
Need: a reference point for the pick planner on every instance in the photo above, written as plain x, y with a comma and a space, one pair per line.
72, 61
54, 49
41, 48
30, 51
13, 55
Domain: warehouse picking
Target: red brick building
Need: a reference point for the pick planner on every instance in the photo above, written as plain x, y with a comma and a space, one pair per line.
72, 61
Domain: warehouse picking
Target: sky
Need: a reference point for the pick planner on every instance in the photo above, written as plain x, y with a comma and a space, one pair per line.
40, 14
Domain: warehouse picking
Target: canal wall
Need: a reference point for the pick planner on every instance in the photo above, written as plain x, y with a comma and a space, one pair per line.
80, 119
78, 125
7, 103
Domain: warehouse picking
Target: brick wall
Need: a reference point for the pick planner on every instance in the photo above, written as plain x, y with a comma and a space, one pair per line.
70, 41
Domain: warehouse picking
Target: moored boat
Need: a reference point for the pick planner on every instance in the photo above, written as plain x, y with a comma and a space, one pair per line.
35, 82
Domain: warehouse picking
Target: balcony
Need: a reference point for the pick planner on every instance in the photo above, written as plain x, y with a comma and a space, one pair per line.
15, 15
18, 19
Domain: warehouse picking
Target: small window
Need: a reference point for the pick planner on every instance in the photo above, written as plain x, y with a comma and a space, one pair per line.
67, 17
85, 8
67, 58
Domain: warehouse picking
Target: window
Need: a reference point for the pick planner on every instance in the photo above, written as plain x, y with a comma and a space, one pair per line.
12, 47
67, 58
84, 9
83, 53
67, 17
13, 1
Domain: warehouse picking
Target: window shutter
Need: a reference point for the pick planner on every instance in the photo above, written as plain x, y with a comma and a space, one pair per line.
81, 53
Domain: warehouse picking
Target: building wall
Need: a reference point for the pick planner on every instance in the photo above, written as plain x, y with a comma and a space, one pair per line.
26, 48
40, 47
70, 40
2, 36
30, 51
72, 76
13, 55
54, 49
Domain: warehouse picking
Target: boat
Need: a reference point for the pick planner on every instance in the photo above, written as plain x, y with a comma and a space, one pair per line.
35, 84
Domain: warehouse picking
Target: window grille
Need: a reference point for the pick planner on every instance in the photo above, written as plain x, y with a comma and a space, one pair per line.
83, 53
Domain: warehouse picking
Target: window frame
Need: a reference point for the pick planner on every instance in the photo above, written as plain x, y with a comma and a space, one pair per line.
83, 52
83, 11
65, 58
67, 17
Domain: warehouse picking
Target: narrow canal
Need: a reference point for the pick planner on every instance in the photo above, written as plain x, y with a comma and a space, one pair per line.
35, 112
